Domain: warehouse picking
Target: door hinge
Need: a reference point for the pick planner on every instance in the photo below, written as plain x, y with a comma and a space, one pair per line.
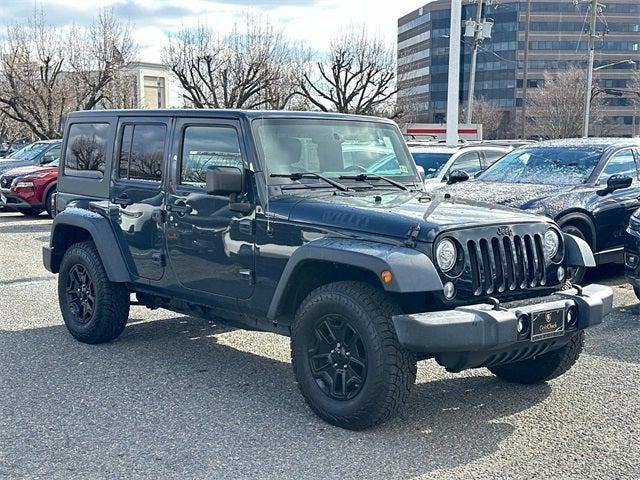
246, 226
248, 274
159, 259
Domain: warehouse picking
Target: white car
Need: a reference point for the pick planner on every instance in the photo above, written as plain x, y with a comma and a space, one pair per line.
439, 161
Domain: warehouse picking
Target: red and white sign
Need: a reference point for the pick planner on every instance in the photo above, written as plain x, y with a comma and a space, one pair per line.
438, 131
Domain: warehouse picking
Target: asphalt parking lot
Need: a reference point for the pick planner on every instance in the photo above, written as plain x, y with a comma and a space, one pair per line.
180, 397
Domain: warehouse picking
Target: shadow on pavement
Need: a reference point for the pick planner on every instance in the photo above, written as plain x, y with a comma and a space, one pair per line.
169, 399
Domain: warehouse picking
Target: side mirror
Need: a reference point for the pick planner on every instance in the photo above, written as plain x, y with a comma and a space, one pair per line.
224, 180
47, 159
457, 176
421, 171
617, 182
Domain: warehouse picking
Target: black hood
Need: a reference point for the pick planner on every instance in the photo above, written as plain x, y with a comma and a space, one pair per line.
515, 195
394, 214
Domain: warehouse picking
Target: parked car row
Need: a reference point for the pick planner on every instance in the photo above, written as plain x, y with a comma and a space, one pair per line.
28, 178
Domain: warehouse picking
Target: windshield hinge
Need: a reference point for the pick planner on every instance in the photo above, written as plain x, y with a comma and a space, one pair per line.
412, 235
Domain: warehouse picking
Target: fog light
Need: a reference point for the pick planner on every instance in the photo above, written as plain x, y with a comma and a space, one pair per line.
572, 316
449, 290
631, 260
561, 274
523, 325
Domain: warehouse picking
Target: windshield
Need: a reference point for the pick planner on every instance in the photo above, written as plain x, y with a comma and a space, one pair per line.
544, 165
29, 152
431, 162
332, 148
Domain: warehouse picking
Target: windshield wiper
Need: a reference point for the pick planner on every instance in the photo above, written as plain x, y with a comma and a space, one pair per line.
361, 177
299, 175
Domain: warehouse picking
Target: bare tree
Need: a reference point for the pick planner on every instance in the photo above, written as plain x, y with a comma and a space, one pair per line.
46, 72
634, 89
489, 115
359, 75
556, 110
237, 70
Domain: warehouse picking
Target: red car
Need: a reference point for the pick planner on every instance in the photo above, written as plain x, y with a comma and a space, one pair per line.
30, 190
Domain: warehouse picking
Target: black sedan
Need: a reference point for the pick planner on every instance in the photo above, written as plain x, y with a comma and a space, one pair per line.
589, 186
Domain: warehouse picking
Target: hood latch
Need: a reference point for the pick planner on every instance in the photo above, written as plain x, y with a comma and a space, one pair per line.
412, 235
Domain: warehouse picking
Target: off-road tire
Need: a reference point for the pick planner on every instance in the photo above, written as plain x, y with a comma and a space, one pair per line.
636, 290
390, 368
545, 367
48, 202
30, 212
111, 310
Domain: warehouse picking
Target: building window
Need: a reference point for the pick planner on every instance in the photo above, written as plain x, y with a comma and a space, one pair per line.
154, 92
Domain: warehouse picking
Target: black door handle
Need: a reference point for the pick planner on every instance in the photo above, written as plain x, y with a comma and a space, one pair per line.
180, 207
123, 200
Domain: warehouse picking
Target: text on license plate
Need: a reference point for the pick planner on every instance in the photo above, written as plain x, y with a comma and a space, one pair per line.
547, 324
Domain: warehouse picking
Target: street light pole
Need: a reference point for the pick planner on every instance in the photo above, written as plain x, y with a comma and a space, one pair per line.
474, 58
587, 95
453, 83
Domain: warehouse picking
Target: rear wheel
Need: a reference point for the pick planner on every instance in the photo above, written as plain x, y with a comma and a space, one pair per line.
575, 275
346, 357
545, 367
94, 309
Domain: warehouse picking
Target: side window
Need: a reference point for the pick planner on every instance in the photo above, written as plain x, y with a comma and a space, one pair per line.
469, 162
621, 163
86, 149
53, 154
207, 146
142, 151
491, 156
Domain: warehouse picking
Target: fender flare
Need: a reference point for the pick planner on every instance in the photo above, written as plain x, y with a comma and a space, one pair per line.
49, 187
412, 270
583, 217
102, 235
577, 252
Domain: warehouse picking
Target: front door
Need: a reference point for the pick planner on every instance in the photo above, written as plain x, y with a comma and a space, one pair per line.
615, 208
210, 247
136, 195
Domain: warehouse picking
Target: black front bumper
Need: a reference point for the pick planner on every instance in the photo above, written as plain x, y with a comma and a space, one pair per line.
632, 256
481, 335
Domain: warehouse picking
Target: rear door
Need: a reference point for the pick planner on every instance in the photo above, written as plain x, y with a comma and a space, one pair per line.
136, 194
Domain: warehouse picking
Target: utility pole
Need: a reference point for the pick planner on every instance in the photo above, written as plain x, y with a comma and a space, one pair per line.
474, 58
453, 93
592, 38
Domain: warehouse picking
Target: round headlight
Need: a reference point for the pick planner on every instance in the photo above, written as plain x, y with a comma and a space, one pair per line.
446, 255
551, 243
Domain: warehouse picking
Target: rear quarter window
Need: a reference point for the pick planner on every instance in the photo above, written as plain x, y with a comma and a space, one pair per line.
85, 155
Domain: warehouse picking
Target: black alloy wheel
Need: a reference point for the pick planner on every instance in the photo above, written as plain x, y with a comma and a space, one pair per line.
81, 294
338, 359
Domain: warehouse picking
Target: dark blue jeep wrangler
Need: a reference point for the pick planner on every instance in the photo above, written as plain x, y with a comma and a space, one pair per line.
315, 226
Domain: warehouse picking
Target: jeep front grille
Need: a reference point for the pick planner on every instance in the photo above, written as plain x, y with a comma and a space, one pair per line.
506, 263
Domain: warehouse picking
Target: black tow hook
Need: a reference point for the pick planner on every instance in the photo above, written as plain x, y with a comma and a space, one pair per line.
495, 303
579, 290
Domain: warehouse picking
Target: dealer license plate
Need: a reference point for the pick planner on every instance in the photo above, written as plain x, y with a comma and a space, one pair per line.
547, 324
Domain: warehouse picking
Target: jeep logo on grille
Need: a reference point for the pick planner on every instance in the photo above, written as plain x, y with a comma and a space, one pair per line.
505, 231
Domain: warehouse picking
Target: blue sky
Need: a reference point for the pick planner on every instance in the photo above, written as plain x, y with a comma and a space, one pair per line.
312, 21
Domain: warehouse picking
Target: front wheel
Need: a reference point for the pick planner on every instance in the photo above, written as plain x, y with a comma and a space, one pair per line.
94, 309
49, 203
545, 367
30, 212
347, 360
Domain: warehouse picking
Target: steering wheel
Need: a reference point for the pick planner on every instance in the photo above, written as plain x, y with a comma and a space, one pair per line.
356, 168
